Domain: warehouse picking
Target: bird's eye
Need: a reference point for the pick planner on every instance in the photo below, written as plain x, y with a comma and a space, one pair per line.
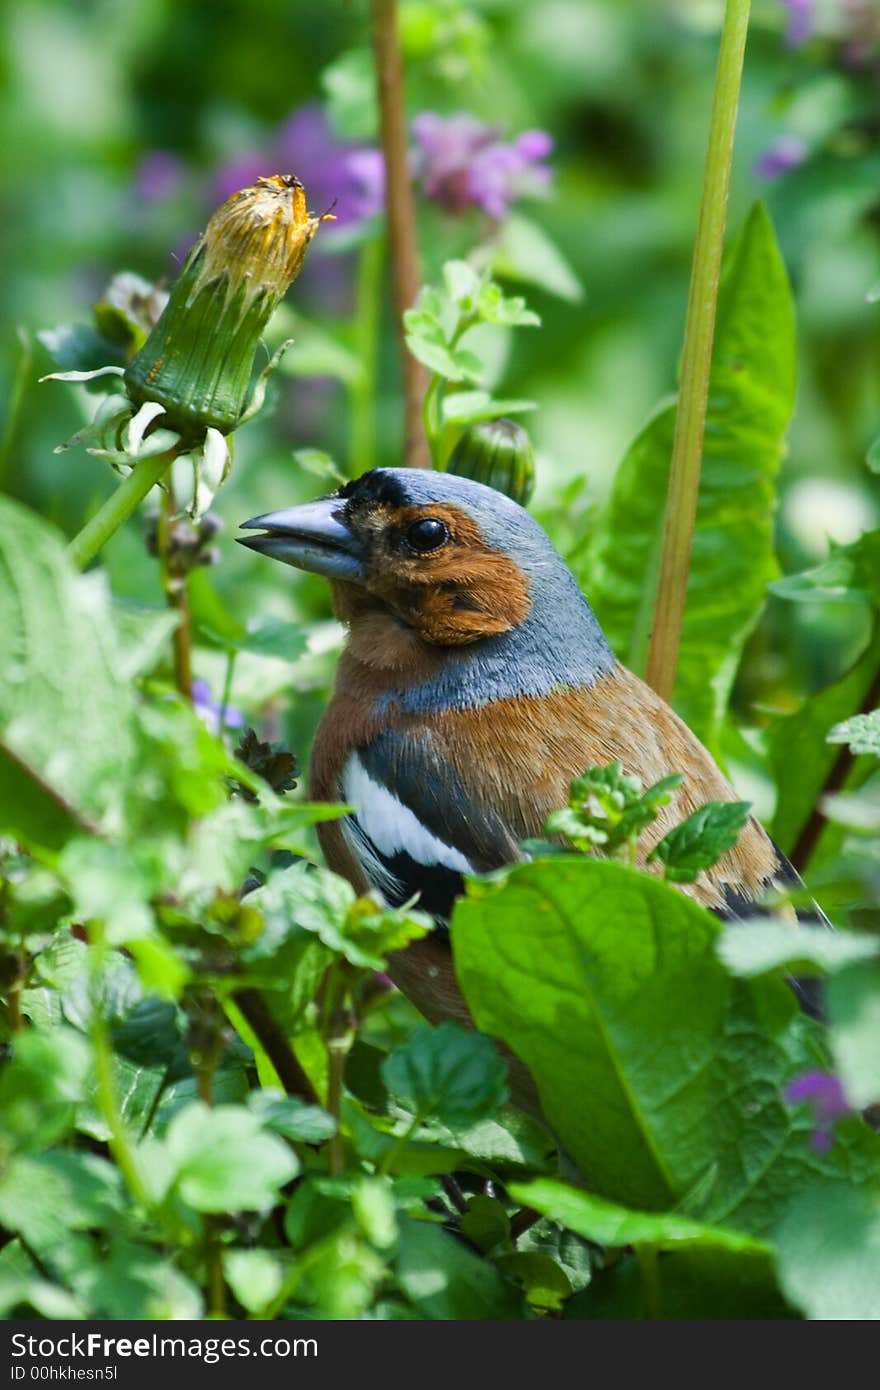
427, 534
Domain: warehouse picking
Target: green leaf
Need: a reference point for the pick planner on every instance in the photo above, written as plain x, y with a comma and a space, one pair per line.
292, 1118
255, 1277
699, 841
448, 1074
224, 1161
800, 756
861, 733
750, 402
65, 712
851, 574
41, 1085
372, 1202
495, 307
462, 284
607, 984
828, 1254
525, 252
854, 1016
445, 1280
752, 948
469, 407
606, 1223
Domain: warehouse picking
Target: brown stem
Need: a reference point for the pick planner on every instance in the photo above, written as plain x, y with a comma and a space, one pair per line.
174, 584
522, 1221
274, 1043
834, 782
401, 219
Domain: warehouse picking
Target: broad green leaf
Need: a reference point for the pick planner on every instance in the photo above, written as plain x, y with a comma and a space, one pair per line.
800, 756
750, 401
290, 1117
65, 713
606, 982
372, 1202
224, 1161
448, 1074
753, 948
828, 1254
41, 1084
271, 637
854, 1016
443, 1279
134, 1282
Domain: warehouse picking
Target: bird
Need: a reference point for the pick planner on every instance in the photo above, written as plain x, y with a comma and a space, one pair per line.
475, 685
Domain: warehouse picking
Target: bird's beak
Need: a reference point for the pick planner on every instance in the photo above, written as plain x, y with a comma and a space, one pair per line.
313, 537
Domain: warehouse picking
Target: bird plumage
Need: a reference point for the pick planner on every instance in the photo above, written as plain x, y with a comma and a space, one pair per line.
476, 685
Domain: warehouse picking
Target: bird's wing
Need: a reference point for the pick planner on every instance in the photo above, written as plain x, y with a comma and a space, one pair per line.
415, 829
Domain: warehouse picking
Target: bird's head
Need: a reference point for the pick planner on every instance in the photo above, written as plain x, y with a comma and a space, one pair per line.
453, 560
429, 569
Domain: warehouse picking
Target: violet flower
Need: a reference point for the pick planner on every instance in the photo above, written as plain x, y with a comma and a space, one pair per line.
158, 176
209, 712
788, 152
463, 163
800, 21
823, 1090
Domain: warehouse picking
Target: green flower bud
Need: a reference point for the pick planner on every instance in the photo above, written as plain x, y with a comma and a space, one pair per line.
498, 453
198, 360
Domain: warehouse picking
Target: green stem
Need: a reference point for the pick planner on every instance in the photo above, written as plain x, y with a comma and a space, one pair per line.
175, 587
687, 449
118, 508
432, 402
226, 697
366, 342
108, 1102
16, 400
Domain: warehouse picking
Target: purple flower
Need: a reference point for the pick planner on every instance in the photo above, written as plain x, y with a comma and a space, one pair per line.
210, 713
158, 176
463, 163
824, 1092
800, 21
786, 153
352, 176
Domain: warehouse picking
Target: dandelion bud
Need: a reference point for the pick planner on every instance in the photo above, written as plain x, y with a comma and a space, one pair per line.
198, 360
498, 453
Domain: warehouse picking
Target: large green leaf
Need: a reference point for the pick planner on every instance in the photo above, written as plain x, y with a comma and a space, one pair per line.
661, 1075
750, 402
829, 1254
65, 731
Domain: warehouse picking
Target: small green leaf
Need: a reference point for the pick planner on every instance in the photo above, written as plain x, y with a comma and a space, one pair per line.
701, 839
292, 1118
447, 1073
861, 732
525, 252
224, 1161
443, 1279
254, 1276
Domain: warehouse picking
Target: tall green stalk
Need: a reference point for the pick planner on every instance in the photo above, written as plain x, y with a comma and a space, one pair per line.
687, 449
118, 508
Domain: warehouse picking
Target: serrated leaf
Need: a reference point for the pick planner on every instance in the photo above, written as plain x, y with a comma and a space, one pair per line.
750, 402
447, 1074
861, 732
701, 839
581, 966
65, 714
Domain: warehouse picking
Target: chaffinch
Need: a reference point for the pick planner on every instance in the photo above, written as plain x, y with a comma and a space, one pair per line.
475, 686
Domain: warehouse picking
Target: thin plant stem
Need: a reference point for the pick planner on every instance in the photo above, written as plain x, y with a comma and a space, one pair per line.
174, 585
16, 400
118, 508
687, 448
362, 394
401, 219
226, 697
